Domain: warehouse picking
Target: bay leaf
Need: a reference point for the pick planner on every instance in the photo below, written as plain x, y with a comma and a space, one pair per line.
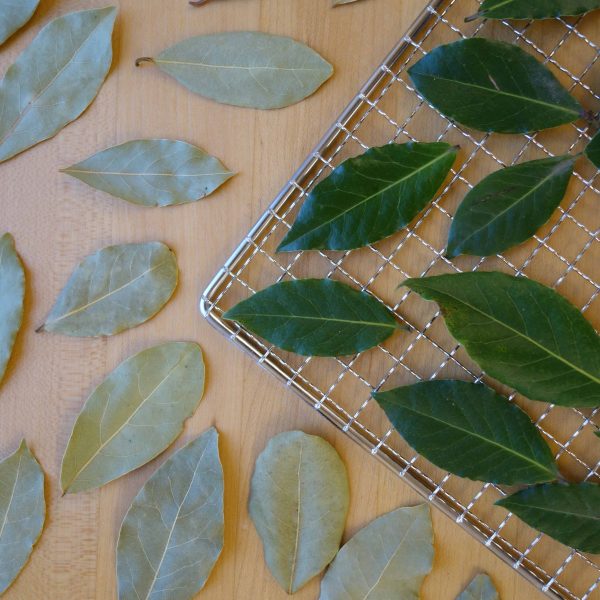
172, 534
493, 86
481, 588
469, 430
522, 333
12, 293
55, 79
389, 558
114, 289
13, 15
315, 317
370, 197
153, 172
533, 9
569, 513
245, 68
509, 206
133, 415
299, 500
592, 150
22, 512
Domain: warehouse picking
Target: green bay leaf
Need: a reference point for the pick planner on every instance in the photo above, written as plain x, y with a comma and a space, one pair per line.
534, 9
568, 513
481, 588
315, 317
55, 79
13, 15
245, 68
153, 172
509, 206
493, 86
299, 499
389, 558
522, 333
133, 415
172, 534
370, 197
22, 512
592, 150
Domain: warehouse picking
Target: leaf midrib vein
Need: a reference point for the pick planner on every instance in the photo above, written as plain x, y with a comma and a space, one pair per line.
143, 174
326, 319
239, 67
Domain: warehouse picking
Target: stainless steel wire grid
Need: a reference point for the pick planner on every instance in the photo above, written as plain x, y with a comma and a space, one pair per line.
564, 254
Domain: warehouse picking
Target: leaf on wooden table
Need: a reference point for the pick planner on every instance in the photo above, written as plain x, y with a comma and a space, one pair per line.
522, 333
55, 79
533, 9
481, 588
370, 197
13, 15
568, 513
298, 502
114, 289
592, 150
133, 415
245, 68
172, 534
389, 558
340, 2
22, 512
493, 86
509, 206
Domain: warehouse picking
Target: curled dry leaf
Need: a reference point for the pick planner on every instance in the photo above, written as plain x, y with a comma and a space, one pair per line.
481, 588
13, 15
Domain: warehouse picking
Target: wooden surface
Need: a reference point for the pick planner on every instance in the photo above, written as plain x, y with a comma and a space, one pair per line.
57, 221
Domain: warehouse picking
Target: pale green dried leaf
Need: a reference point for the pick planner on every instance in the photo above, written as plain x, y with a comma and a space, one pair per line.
22, 512
299, 500
481, 588
389, 558
133, 415
55, 79
172, 534
14, 14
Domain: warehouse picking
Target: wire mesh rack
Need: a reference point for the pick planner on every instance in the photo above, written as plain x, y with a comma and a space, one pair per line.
564, 254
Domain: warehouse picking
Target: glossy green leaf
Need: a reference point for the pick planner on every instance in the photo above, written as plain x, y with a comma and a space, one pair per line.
55, 79
153, 172
533, 9
13, 15
389, 558
522, 333
316, 317
509, 206
133, 415
493, 86
299, 499
592, 150
114, 289
469, 430
22, 512
370, 197
481, 588
245, 68
568, 513
12, 292
172, 534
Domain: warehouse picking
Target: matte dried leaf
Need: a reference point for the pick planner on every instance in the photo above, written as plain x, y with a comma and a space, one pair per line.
534, 9
481, 588
13, 15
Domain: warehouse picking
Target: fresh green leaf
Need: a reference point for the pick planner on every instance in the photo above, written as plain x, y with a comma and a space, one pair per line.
493, 86
316, 317
481, 588
592, 150
370, 197
12, 292
597, 432
13, 15
533, 9
55, 79
389, 558
522, 333
172, 534
153, 172
114, 289
469, 430
568, 513
245, 68
298, 502
22, 512
133, 415
509, 206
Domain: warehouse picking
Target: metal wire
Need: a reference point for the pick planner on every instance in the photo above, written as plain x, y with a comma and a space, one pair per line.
564, 254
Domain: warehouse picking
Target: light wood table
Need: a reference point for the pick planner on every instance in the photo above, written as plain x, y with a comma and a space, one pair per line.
57, 221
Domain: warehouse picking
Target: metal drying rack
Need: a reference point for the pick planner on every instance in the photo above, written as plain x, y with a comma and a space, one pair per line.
564, 254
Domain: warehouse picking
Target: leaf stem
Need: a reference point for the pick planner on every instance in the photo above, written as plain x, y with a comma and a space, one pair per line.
143, 59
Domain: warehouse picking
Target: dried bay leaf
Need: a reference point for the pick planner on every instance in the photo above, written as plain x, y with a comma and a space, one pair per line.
133, 415
114, 289
533, 9
172, 534
592, 150
299, 500
153, 172
22, 512
389, 558
481, 588
55, 79
245, 68
13, 15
